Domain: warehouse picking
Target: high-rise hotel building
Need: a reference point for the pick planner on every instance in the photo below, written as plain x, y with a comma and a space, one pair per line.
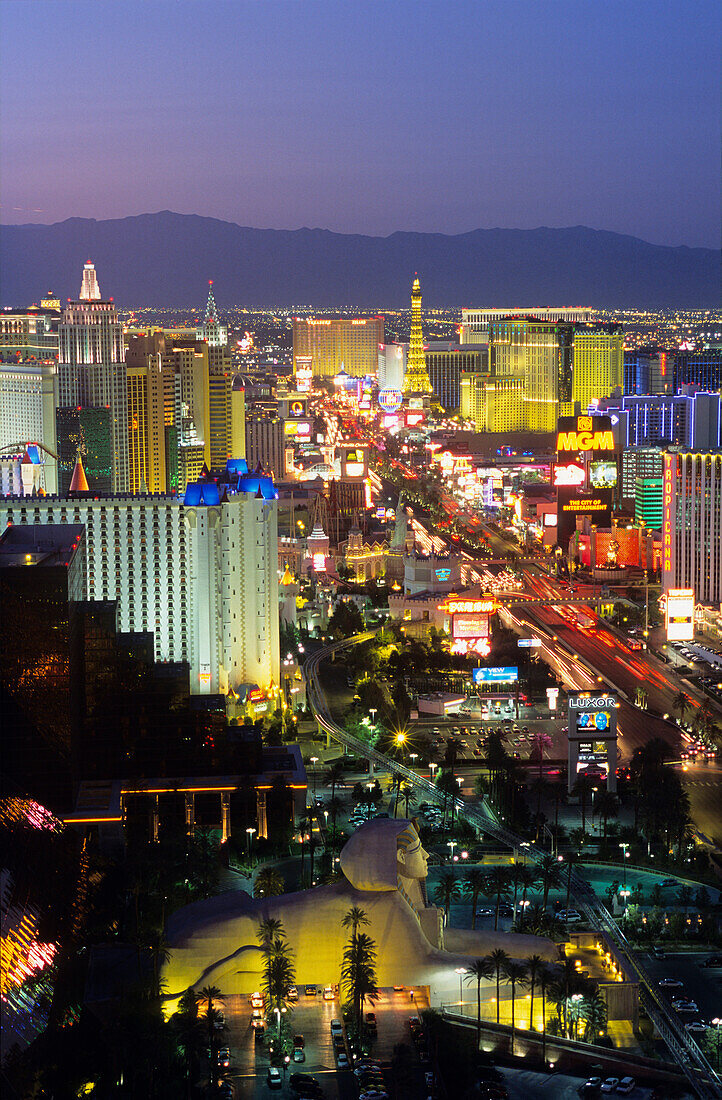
28, 400
91, 365
692, 524
475, 322
335, 342
197, 571
540, 353
598, 362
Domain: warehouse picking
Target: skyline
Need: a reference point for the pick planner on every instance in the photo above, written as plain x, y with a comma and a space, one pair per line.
370, 120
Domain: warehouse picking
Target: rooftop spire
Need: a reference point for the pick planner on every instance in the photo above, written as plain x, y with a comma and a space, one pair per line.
416, 379
89, 289
79, 482
211, 308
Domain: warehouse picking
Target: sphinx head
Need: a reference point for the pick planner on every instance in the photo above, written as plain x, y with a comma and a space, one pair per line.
381, 852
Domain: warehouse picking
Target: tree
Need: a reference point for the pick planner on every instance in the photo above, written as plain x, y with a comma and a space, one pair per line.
606, 805
498, 959
473, 886
594, 1014
534, 966
358, 973
548, 869
515, 972
446, 782
684, 897
528, 880
331, 778
681, 704
346, 620
278, 969
354, 919
269, 883
582, 789
480, 970
446, 891
497, 885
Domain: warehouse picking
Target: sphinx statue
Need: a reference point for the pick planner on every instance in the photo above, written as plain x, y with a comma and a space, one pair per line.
384, 866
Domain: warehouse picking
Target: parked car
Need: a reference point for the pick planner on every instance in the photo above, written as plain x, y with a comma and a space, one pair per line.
685, 1005
626, 1085
670, 983
336, 1027
697, 1027
299, 1041
610, 1084
299, 1054
371, 1021
256, 1000
310, 991
292, 994
342, 1060
304, 1084
328, 993
223, 1058
591, 1086
273, 1078
713, 960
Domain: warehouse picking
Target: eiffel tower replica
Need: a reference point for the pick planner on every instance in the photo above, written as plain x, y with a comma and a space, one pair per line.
416, 379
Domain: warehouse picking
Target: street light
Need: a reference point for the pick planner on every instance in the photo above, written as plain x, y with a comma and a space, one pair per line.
372, 712
414, 756
250, 831
452, 844
625, 892
461, 970
314, 761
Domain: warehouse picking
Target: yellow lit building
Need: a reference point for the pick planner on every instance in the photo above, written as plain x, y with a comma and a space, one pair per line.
598, 363
493, 403
335, 342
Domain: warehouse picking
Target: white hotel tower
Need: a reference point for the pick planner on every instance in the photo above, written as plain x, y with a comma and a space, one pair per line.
199, 572
91, 365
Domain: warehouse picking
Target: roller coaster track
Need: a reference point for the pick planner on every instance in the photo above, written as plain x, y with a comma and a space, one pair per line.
699, 1072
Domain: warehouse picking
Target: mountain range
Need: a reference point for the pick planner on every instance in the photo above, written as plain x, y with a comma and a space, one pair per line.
165, 260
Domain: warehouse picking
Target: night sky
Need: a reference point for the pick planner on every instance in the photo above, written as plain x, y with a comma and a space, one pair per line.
367, 117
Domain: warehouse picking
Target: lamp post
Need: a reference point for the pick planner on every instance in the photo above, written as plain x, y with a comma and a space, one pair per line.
413, 756
625, 857
461, 970
452, 844
250, 831
314, 761
432, 769
716, 1022
372, 712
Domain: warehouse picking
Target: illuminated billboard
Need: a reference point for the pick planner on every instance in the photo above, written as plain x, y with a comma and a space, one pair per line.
298, 428
571, 502
390, 420
508, 674
470, 626
603, 474
570, 473
679, 615
577, 434
592, 738
390, 400
413, 419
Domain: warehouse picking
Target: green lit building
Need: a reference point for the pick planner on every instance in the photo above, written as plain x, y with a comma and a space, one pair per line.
89, 429
648, 502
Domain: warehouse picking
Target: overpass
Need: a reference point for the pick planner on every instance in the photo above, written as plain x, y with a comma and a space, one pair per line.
706, 1084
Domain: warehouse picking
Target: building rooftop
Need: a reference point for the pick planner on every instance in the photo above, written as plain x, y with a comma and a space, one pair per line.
48, 544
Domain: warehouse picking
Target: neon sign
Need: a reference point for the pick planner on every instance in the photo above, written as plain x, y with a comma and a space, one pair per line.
572, 474
461, 607
585, 441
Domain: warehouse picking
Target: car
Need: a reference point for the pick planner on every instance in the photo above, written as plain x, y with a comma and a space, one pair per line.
370, 1081
219, 1020
273, 1078
591, 1085
658, 953
685, 1005
414, 1021
429, 1079
303, 1081
338, 1043
371, 1020
342, 1060
667, 882
609, 1085
336, 1027
398, 989
485, 912
626, 1085
256, 1000
373, 1094
299, 1054
573, 918
299, 1041
259, 1033
310, 991
223, 1058
697, 1027
328, 993
713, 960
292, 994
670, 983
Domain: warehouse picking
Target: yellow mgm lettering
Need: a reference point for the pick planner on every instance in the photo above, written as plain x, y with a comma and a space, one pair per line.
585, 441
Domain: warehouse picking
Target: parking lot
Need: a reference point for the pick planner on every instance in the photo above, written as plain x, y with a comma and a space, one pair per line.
311, 1017
700, 984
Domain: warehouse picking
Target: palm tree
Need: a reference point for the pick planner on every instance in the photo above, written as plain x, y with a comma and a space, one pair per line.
606, 805
406, 790
354, 919
480, 970
331, 778
498, 884
681, 704
358, 973
446, 891
594, 1014
473, 886
582, 789
269, 883
528, 879
544, 978
207, 995
498, 959
269, 929
548, 868
534, 966
515, 974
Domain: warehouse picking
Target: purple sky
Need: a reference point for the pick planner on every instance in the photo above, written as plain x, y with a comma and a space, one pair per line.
367, 116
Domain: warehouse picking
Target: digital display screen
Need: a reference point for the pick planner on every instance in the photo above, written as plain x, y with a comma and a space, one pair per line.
603, 475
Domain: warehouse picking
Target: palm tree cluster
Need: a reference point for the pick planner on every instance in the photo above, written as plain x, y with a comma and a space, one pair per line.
581, 1010
661, 804
358, 969
279, 973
